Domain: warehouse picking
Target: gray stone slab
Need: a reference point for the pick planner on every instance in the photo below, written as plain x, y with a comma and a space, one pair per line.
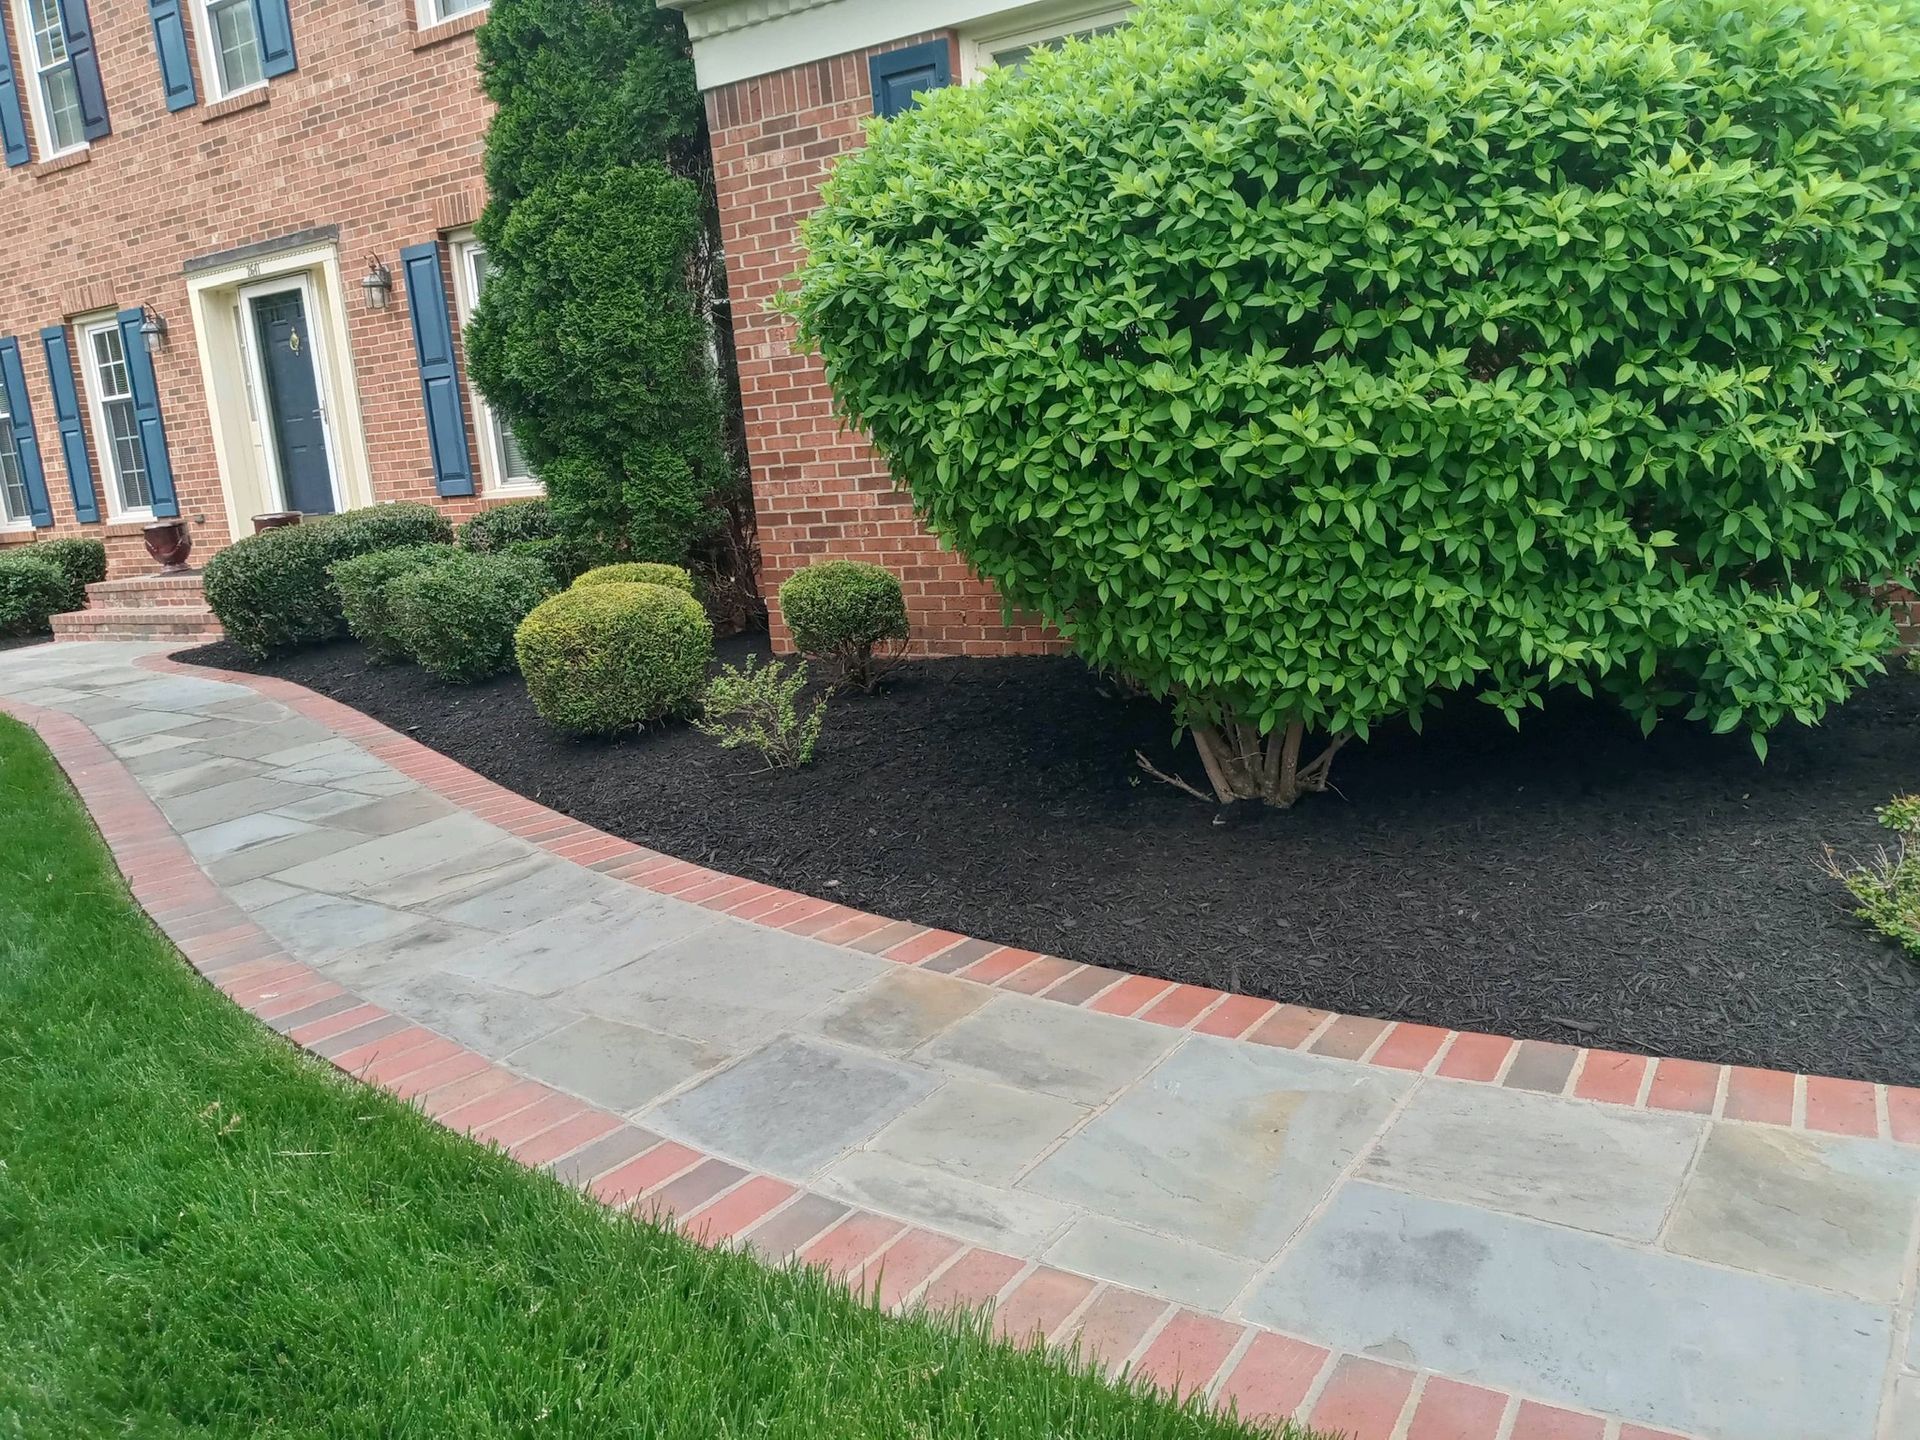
336, 763
428, 945
1605, 1169
544, 889
494, 1022
249, 742
1229, 1145
1162, 1265
258, 894
792, 1106
1580, 1320
1824, 1211
336, 747
1034, 1045
137, 724
234, 800
731, 984
585, 943
148, 745
616, 1066
252, 863
1008, 1220
453, 846
324, 804
230, 837
151, 763
381, 782
313, 926
388, 814
1903, 1407
204, 774
183, 693
983, 1132
899, 1011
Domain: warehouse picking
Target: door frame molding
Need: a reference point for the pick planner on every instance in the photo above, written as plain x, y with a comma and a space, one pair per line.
261, 395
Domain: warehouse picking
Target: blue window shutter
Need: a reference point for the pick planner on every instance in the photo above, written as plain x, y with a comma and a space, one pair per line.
13, 120
73, 428
439, 376
86, 67
13, 381
170, 44
900, 75
276, 37
146, 415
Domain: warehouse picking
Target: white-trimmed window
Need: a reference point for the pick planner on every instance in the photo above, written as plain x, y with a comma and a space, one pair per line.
1007, 45
53, 87
229, 33
438, 12
116, 429
15, 513
503, 467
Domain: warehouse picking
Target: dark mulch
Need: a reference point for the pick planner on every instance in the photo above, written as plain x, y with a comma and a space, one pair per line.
1574, 882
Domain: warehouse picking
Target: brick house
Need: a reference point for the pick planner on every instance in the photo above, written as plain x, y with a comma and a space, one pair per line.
234, 257
790, 85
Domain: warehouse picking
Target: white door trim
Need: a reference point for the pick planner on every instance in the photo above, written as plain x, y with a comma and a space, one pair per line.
257, 380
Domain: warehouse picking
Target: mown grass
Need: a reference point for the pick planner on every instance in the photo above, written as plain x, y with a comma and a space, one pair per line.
203, 1231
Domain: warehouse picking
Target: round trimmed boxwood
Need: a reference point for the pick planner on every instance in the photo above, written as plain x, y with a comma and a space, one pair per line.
839, 610
456, 618
510, 524
32, 592
365, 587
604, 658
641, 572
1304, 360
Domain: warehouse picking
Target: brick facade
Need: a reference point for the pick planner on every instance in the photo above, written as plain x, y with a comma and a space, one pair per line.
378, 132
819, 490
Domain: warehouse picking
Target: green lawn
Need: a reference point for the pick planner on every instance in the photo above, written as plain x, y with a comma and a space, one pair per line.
203, 1231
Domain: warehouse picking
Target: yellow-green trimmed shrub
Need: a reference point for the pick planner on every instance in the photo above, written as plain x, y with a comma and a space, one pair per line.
1305, 360
365, 586
641, 572
599, 659
457, 618
841, 611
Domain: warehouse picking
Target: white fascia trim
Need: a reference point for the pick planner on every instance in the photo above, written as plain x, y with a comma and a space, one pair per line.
739, 39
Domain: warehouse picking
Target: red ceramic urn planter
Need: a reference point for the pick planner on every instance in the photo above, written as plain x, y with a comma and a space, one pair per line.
169, 542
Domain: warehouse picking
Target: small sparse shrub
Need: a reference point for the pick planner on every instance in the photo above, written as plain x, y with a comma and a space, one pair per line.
761, 707
83, 562
599, 659
272, 591
641, 572
505, 526
842, 611
457, 619
1887, 887
32, 592
365, 586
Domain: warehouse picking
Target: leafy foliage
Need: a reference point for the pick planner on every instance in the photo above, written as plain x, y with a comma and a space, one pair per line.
566, 557
599, 659
592, 336
83, 562
364, 584
760, 707
273, 591
457, 618
32, 592
1887, 887
513, 523
641, 572
841, 610
1304, 361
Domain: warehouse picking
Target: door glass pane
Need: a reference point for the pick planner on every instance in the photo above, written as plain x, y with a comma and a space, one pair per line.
236, 43
124, 459
13, 482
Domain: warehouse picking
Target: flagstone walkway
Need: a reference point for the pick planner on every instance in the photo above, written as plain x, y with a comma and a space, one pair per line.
1403, 1233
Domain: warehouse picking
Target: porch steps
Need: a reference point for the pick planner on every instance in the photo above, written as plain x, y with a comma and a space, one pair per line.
143, 607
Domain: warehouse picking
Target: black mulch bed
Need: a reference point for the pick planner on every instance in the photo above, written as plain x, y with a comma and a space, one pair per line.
1574, 882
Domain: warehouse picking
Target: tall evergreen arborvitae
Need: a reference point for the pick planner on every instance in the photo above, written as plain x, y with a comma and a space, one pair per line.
604, 310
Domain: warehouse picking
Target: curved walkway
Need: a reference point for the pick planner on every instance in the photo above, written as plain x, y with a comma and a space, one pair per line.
1396, 1231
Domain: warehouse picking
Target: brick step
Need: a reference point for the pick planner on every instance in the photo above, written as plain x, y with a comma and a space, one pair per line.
142, 591
169, 622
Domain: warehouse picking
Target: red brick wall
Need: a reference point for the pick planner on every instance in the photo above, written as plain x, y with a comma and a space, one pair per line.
819, 490
379, 131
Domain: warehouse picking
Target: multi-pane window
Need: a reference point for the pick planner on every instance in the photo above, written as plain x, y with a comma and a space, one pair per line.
116, 427
435, 11
231, 35
56, 88
13, 481
1010, 50
503, 457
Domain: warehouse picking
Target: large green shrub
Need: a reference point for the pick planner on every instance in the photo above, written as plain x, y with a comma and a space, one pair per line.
594, 335
83, 562
514, 523
456, 619
566, 556
840, 611
272, 591
1303, 361
604, 658
365, 586
640, 573
32, 591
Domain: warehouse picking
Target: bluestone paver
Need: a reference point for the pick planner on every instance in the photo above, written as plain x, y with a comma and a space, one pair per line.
1036, 1045
943, 1201
988, 1133
620, 1067
1151, 1260
899, 1011
582, 945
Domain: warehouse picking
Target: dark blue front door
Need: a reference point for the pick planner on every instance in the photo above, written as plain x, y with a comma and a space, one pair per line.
293, 401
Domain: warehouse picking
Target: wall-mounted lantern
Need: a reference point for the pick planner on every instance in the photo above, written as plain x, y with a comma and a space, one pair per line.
377, 284
153, 325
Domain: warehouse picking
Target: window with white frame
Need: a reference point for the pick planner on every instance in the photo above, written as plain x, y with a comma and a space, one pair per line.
230, 46
503, 466
1008, 46
116, 429
436, 12
53, 89
15, 514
